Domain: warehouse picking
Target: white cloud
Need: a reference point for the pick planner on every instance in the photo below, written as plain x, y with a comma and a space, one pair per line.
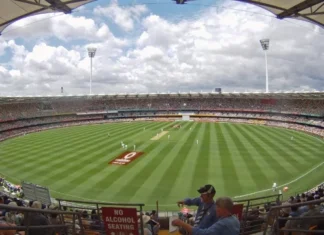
64, 27
124, 17
216, 49
3, 46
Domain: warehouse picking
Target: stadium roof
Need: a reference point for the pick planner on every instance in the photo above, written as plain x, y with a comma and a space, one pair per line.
307, 10
247, 95
13, 10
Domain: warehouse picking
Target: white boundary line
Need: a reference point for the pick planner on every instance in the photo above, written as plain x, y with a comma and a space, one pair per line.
298, 178
245, 195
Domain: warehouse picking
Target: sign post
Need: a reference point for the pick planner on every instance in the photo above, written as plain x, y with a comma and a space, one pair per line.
120, 221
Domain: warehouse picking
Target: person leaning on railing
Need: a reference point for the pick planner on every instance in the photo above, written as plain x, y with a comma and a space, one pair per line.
227, 223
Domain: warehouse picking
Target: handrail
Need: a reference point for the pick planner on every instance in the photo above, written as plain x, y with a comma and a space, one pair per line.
47, 211
257, 198
103, 203
28, 211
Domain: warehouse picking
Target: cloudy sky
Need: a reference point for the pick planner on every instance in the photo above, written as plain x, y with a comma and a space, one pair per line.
159, 46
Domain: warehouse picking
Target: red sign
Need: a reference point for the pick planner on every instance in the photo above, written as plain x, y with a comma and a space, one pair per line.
238, 210
120, 221
125, 158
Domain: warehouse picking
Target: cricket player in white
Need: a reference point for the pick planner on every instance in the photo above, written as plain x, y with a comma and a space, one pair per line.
168, 137
274, 187
134, 147
197, 141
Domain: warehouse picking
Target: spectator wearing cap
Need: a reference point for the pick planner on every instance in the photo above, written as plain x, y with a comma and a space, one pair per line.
227, 223
206, 213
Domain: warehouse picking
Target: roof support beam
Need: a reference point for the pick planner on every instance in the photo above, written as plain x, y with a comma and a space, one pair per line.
297, 8
54, 4
36, 3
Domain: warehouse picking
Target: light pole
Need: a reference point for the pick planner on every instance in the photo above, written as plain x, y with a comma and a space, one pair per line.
91, 53
265, 46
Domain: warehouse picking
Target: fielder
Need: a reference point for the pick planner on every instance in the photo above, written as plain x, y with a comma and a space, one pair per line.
274, 187
134, 147
197, 141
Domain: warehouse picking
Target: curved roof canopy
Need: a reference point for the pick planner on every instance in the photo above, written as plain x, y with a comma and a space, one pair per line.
13, 10
307, 10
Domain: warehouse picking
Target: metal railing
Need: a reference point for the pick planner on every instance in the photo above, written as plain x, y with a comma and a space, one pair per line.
28, 213
255, 225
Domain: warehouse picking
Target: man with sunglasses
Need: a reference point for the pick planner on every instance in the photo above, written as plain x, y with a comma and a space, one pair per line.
227, 223
206, 213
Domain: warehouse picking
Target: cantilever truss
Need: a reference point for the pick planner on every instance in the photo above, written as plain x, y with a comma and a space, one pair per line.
13, 10
307, 10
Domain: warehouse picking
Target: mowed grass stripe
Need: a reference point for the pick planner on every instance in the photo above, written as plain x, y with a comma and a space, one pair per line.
60, 136
41, 157
272, 163
105, 169
238, 162
255, 156
83, 180
188, 166
302, 138
134, 173
150, 187
60, 133
111, 174
156, 154
175, 157
168, 179
227, 163
199, 173
70, 156
273, 142
303, 150
254, 176
51, 144
95, 153
302, 154
215, 170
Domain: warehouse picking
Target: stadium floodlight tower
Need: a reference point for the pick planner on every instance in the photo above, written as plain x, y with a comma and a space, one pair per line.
91, 53
265, 46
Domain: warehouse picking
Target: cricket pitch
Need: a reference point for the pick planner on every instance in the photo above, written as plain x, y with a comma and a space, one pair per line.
157, 137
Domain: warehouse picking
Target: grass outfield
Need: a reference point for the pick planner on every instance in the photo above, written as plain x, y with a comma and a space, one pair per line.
237, 159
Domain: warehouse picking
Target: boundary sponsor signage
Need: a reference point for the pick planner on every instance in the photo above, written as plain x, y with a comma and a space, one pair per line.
120, 221
238, 210
125, 158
